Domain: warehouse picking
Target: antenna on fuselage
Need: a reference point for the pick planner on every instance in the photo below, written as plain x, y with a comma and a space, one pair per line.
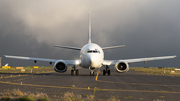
89, 28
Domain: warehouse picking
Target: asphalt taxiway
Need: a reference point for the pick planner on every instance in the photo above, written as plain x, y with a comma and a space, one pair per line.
130, 86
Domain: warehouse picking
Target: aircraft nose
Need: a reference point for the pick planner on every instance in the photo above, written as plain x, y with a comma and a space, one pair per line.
93, 61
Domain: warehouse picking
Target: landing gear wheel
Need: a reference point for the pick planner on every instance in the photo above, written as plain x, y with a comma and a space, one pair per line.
72, 72
108, 72
104, 72
91, 73
77, 72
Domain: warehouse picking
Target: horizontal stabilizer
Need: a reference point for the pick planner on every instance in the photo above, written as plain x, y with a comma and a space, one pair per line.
68, 47
111, 47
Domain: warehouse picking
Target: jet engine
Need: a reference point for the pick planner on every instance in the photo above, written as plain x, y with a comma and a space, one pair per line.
60, 66
121, 66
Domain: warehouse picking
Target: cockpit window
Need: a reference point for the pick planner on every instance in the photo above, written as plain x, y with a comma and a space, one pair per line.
93, 51
90, 51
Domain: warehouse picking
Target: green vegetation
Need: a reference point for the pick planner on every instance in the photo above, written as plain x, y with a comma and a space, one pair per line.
6, 98
157, 71
95, 88
17, 95
129, 97
43, 99
26, 98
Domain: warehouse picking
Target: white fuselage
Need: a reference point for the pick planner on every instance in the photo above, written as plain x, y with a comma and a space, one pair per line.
91, 56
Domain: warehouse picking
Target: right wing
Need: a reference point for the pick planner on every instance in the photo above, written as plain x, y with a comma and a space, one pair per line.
69, 62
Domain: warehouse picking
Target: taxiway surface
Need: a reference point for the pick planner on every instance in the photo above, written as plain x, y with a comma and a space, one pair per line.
129, 86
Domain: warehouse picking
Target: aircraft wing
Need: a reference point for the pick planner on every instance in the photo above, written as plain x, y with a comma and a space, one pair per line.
113, 62
69, 62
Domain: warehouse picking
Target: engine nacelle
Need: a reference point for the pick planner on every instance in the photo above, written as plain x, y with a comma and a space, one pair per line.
121, 66
60, 66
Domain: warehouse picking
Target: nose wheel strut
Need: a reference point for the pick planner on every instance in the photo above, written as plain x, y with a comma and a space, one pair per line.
106, 70
92, 73
74, 71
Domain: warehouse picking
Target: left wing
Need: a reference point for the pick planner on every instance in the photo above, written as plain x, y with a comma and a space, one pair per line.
113, 62
69, 62
111, 47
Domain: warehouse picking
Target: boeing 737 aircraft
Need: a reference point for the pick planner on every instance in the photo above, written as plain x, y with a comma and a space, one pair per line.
91, 57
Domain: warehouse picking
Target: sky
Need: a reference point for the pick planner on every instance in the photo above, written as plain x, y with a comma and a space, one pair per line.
148, 28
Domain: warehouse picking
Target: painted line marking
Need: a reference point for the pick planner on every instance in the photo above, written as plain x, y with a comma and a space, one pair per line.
12, 76
98, 74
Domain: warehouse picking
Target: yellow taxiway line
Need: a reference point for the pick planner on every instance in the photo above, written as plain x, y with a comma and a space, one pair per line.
98, 74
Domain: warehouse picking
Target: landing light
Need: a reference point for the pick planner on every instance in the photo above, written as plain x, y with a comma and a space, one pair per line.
77, 62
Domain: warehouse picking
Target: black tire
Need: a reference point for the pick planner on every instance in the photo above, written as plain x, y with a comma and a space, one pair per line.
93, 73
77, 72
104, 72
72, 72
109, 72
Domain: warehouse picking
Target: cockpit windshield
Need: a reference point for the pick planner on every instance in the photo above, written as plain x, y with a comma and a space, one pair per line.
92, 51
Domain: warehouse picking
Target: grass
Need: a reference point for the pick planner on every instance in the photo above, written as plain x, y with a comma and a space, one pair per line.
17, 95
26, 98
157, 71
113, 98
6, 98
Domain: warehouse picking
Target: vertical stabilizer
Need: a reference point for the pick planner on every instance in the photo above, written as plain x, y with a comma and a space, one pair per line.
89, 28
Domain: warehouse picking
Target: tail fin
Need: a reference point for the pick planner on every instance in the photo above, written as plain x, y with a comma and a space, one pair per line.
89, 28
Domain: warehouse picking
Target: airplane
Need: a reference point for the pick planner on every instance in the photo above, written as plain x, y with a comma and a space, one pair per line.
91, 57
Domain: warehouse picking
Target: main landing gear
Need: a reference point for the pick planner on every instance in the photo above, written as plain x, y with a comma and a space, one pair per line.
106, 70
74, 71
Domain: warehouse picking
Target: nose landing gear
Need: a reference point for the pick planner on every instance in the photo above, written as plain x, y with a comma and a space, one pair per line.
92, 73
106, 70
74, 71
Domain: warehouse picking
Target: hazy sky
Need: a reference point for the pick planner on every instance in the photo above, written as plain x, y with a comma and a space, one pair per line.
147, 27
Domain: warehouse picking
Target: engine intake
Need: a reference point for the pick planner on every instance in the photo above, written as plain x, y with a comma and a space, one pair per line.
121, 66
60, 66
